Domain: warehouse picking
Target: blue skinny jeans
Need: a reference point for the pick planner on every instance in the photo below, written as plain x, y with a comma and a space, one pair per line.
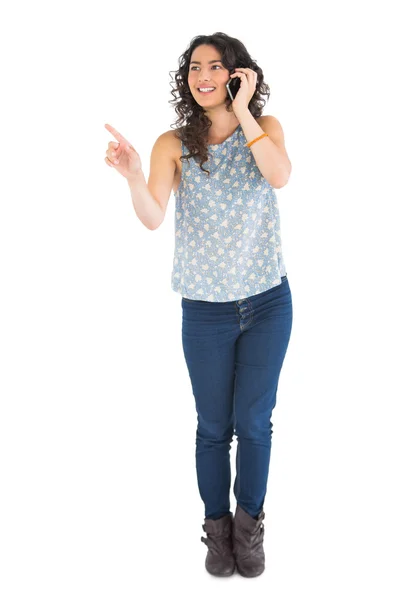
234, 352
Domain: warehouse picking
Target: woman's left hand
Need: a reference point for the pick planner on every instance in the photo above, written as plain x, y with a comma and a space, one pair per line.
246, 91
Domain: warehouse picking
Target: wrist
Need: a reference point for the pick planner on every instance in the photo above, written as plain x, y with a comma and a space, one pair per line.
136, 178
241, 112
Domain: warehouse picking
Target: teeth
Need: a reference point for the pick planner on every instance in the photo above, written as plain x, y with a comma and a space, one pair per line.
206, 89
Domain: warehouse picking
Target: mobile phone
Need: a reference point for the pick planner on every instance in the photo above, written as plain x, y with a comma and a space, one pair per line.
233, 86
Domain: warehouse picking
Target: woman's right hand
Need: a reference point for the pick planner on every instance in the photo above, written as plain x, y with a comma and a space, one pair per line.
122, 156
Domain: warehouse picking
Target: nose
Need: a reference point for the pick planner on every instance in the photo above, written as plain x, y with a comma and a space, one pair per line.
203, 83
202, 75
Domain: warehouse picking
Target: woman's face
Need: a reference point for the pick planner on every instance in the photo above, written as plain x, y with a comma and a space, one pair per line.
206, 70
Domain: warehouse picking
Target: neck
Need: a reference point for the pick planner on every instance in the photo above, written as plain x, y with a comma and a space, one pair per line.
223, 124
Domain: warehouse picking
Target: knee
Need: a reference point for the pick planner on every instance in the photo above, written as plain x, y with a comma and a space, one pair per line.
214, 432
254, 430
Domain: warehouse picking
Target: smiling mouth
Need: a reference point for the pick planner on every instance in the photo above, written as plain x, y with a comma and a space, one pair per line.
210, 92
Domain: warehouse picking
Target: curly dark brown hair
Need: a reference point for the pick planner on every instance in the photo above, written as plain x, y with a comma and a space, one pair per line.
194, 133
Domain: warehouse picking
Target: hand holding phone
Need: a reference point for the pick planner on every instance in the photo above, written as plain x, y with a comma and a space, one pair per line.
233, 86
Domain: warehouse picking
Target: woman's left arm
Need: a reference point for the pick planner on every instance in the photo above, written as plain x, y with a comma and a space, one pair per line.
269, 152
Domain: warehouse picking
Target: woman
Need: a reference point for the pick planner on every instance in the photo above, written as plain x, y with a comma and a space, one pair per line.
229, 269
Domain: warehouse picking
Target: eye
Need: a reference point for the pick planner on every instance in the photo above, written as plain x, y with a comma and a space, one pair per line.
219, 67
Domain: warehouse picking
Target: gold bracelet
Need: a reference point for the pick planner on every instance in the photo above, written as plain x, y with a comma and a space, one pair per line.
256, 140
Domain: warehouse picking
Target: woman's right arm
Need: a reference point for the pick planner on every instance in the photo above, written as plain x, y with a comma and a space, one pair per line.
147, 208
162, 173
149, 200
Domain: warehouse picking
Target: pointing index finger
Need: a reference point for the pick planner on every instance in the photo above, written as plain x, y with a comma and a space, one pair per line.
117, 135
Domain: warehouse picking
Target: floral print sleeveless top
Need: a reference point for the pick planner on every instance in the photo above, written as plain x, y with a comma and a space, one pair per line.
227, 226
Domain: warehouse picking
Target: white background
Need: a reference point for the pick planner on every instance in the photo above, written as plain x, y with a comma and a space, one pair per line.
99, 494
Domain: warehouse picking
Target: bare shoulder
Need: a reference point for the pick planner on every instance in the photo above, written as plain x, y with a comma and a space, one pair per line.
272, 126
172, 144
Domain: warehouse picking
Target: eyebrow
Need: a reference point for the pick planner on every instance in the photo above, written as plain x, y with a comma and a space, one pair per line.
209, 62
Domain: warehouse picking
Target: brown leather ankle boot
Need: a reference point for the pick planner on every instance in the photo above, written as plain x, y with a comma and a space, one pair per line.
247, 538
219, 559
